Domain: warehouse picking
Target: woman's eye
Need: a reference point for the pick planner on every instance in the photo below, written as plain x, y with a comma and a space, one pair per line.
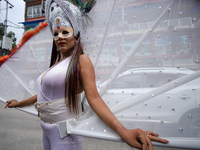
65, 32
55, 34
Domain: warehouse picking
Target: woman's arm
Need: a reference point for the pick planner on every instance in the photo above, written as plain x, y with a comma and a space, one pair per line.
136, 138
26, 102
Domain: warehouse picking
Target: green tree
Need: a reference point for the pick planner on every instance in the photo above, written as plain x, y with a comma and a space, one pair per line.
1, 31
9, 34
12, 36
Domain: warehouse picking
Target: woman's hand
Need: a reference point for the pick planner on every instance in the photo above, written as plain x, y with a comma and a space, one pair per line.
141, 139
12, 103
27, 102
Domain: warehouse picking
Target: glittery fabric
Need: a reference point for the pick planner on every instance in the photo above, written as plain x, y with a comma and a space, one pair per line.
51, 88
64, 11
52, 140
48, 111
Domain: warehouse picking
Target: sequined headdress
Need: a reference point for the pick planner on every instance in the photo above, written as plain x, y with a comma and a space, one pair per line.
67, 13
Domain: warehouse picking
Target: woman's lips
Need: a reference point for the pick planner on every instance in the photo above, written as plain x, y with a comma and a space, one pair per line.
61, 43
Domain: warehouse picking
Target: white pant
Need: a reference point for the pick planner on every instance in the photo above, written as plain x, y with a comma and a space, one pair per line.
52, 140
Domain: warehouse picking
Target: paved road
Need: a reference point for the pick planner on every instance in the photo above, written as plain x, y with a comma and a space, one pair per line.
21, 131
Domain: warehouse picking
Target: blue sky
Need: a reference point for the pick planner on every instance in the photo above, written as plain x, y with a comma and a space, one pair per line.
15, 15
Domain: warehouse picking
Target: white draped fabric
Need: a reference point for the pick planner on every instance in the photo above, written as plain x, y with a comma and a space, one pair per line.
19, 73
146, 58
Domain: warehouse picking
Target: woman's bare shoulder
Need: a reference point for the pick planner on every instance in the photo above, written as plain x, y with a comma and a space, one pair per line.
84, 59
85, 63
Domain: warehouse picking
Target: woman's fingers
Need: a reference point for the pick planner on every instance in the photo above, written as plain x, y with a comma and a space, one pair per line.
136, 138
150, 146
11, 103
137, 145
146, 142
154, 137
8, 102
151, 133
142, 139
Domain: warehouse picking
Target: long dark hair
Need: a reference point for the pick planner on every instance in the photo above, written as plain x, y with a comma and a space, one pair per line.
72, 74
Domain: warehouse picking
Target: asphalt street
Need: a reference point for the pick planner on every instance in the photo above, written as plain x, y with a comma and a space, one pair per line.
22, 131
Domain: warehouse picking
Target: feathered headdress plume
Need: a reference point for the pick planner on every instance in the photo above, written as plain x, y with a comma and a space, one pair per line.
85, 7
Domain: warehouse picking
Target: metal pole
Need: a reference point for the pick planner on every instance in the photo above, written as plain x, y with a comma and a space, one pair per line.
5, 22
42, 7
0, 9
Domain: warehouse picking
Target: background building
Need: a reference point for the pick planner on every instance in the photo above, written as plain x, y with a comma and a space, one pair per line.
34, 13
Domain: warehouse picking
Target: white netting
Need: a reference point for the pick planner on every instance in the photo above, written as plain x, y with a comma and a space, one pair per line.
19, 73
146, 59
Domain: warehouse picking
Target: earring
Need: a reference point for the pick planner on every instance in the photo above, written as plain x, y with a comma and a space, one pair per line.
75, 44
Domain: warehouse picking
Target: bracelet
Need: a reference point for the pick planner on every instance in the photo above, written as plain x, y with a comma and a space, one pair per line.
27, 102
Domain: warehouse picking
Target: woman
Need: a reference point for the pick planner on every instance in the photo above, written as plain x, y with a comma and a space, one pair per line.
70, 73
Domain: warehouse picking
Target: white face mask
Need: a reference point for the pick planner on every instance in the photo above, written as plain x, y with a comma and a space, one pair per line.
62, 32
67, 15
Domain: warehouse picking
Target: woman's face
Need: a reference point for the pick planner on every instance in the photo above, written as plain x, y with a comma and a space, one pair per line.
64, 40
